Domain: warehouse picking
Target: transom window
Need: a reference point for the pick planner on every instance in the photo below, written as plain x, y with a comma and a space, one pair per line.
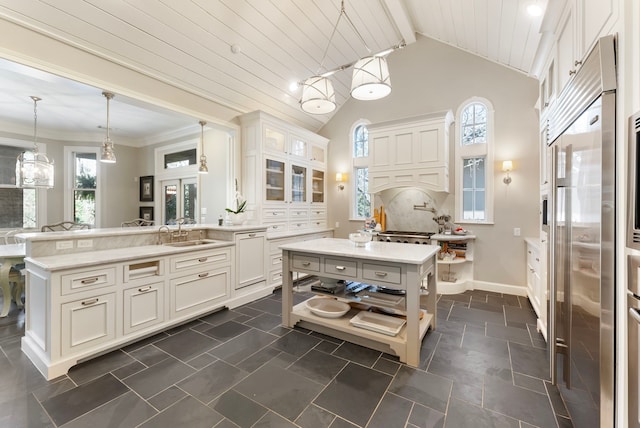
474, 158
474, 124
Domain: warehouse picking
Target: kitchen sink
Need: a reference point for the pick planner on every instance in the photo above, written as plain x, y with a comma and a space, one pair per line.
191, 243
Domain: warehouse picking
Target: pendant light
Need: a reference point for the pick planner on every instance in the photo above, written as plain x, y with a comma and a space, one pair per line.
202, 169
370, 80
33, 169
107, 155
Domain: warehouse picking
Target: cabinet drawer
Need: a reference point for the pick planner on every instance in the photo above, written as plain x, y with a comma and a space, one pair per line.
275, 227
341, 267
275, 277
533, 258
200, 259
270, 214
298, 225
308, 263
88, 279
382, 273
275, 261
319, 223
199, 292
88, 322
318, 213
296, 214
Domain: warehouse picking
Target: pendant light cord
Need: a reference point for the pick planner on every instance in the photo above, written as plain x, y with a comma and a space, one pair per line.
335, 28
35, 123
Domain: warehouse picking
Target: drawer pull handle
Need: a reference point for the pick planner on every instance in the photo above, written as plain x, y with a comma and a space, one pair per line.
306, 263
340, 268
252, 235
90, 280
89, 302
537, 259
279, 259
203, 259
144, 289
203, 275
275, 227
382, 274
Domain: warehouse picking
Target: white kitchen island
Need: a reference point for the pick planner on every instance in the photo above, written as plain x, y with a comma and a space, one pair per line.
407, 267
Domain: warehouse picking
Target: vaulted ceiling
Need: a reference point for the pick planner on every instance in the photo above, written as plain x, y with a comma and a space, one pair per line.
245, 54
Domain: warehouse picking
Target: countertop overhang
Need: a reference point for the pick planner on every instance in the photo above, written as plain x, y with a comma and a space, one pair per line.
374, 250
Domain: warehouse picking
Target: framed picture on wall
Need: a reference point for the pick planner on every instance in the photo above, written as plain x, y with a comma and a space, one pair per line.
146, 189
146, 213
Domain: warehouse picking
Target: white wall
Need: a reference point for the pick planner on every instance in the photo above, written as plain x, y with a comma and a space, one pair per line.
429, 76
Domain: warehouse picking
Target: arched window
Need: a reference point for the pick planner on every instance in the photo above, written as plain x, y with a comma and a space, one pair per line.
474, 162
361, 202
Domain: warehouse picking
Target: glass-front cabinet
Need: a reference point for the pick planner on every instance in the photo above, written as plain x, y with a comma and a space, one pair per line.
298, 184
275, 140
274, 180
284, 174
317, 186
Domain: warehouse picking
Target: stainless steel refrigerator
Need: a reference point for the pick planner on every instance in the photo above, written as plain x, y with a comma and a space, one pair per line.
582, 254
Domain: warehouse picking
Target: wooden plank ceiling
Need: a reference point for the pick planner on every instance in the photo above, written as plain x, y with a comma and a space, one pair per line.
188, 43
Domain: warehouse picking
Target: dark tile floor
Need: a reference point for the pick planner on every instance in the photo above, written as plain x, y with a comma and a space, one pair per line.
485, 366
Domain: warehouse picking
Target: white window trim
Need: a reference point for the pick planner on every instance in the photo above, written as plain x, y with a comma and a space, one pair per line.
361, 162
475, 150
68, 181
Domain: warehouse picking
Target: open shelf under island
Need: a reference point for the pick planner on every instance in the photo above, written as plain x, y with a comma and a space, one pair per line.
396, 266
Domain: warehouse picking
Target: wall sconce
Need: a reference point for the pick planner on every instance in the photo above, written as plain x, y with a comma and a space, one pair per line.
507, 166
340, 178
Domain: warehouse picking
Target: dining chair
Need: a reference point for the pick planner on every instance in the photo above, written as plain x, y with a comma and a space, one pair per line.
137, 222
64, 225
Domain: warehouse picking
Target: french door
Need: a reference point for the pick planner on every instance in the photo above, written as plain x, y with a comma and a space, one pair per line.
179, 199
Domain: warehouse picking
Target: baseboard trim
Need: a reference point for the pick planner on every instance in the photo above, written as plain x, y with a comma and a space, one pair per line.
495, 287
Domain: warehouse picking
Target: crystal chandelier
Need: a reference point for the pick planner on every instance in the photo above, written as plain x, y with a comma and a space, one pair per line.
33, 169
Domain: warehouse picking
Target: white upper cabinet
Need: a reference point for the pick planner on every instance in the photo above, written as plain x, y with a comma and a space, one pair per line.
411, 152
582, 23
283, 173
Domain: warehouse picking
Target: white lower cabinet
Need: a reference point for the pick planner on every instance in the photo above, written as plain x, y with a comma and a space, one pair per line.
250, 251
77, 313
198, 291
89, 322
143, 306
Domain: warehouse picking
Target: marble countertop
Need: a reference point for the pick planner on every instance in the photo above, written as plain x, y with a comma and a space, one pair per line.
91, 258
374, 250
118, 231
12, 250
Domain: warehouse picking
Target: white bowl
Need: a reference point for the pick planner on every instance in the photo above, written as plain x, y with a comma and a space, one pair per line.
327, 308
360, 238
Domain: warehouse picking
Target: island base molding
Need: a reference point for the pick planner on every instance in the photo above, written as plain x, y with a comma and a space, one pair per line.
445, 288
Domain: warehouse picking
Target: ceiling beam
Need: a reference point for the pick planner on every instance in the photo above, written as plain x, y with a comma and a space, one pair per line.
398, 13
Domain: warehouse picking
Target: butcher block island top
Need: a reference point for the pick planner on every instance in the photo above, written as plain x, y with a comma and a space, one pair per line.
397, 283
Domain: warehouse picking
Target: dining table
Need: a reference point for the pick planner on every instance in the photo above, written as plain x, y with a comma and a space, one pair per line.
10, 256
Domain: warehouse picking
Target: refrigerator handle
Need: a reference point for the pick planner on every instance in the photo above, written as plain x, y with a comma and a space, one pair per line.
568, 323
635, 314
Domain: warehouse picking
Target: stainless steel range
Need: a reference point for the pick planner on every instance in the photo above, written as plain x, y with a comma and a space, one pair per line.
406, 237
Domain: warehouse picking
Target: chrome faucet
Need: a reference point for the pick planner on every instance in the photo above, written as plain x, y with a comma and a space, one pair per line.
166, 229
180, 235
